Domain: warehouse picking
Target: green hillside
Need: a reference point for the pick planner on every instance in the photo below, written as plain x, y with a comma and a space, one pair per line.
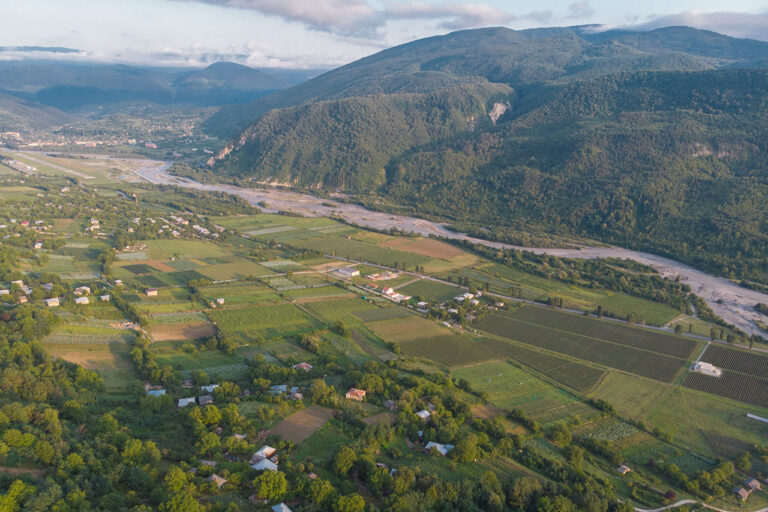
552, 130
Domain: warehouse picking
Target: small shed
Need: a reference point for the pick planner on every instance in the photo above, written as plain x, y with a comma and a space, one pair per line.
219, 481
151, 292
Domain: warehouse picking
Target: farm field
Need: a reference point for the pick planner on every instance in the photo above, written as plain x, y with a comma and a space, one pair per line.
737, 386
575, 375
300, 425
750, 363
182, 331
430, 291
608, 353
410, 328
245, 324
455, 349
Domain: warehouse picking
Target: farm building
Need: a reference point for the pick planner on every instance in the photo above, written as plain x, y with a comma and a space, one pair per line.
442, 449
52, 303
156, 392
5, 292
303, 366
151, 292
118, 282
424, 415
104, 298
355, 394
707, 369
23, 299
264, 452
209, 388
391, 405
38, 245
742, 493
752, 485
210, 463
183, 402
219, 301
82, 300
219, 481
281, 507
18, 282
348, 272
623, 469
205, 400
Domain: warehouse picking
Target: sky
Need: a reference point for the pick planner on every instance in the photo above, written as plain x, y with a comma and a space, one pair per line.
318, 33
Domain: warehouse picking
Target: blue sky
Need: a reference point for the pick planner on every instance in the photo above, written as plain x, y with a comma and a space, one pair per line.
320, 33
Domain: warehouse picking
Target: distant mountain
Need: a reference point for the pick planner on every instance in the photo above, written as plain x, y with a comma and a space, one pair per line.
19, 115
654, 140
69, 86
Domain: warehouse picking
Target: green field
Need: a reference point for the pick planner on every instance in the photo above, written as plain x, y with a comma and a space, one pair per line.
245, 324
430, 291
456, 349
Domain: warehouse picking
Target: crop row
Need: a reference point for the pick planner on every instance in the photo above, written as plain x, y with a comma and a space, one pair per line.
638, 338
738, 360
737, 386
647, 364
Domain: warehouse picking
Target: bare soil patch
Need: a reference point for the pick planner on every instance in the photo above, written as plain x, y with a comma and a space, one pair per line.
35, 472
190, 331
97, 360
325, 298
383, 418
160, 265
432, 248
299, 426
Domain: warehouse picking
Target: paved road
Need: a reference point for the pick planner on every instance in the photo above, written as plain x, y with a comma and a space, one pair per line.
691, 502
729, 300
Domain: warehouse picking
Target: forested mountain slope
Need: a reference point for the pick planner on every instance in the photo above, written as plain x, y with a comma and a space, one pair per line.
552, 130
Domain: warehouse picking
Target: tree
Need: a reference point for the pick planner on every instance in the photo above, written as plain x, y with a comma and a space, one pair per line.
351, 503
181, 502
743, 462
209, 442
319, 491
270, 485
560, 434
344, 460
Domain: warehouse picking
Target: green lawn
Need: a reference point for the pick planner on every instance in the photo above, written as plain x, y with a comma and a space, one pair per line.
245, 324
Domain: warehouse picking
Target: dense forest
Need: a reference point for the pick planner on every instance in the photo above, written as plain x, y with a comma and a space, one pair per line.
554, 134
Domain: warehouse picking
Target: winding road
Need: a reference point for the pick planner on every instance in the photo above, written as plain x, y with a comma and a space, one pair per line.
730, 301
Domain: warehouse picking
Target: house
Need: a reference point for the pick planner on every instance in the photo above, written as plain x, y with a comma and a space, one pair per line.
355, 394
118, 282
424, 415
468, 295
303, 366
219, 481
187, 384
5, 292
209, 388
742, 493
210, 463
264, 452
474, 302
219, 301
104, 298
48, 287
390, 404
281, 507
52, 303
442, 449
295, 395
623, 470
151, 292
312, 476
156, 392
239, 437
38, 245
18, 282
23, 299
264, 465
82, 290
752, 485
82, 300
278, 388
183, 402
707, 369
422, 304
205, 400
347, 272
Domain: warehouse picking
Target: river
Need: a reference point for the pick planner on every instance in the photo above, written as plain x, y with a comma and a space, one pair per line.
730, 301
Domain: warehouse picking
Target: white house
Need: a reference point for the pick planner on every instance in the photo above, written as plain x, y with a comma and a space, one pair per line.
82, 290
104, 298
280, 507
209, 388
82, 300
151, 292
347, 272
183, 402
707, 369
264, 465
52, 303
5, 292
424, 415
264, 452
219, 301
118, 282
443, 449
156, 392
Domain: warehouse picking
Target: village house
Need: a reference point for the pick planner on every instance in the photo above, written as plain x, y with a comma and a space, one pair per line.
151, 292
205, 400
38, 245
82, 300
82, 290
390, 404
18, 282
118, 282
442, 449
257, 500
424, 415
752, 485
742, 493
281, 507
183, 402
5, 292
355, 394
48, 287
219, 301
209, 388
623, 470
52, 303
23, 299
264, 452
219, 481
210, 463
156, 392
104, 298
303, 366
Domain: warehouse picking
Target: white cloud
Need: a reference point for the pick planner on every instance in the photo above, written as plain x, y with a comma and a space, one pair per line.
580, 9
736, 24
454, 16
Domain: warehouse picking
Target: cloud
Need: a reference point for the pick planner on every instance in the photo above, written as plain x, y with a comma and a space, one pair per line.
736, 24
580, 9
455, 16
358, 18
